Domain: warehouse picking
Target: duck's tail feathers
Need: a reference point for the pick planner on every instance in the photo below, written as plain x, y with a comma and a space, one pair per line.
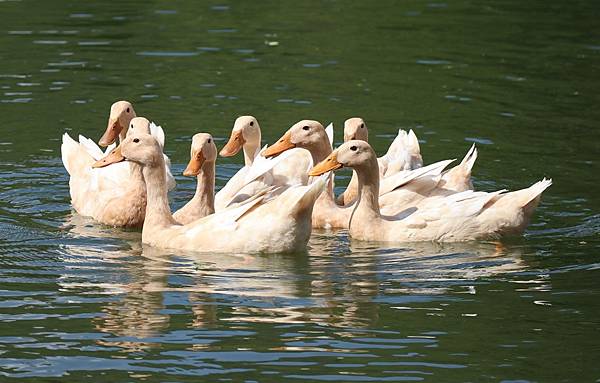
329, 131
459, 177
157, 132
469, 160
75, 157
528, 199
511, 212
67, 148
91, 147
404, 153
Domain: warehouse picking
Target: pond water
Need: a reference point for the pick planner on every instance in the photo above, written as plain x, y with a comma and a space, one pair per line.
80, 301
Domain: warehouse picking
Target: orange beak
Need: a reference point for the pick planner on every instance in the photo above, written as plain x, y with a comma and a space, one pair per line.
284, 143
328, 164
233, 146
113, 130
195, 165
112, 158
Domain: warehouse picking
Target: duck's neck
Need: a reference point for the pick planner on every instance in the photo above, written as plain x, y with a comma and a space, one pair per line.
250, 148
367, 206
158, 212
205, 188
135, 173
319, 152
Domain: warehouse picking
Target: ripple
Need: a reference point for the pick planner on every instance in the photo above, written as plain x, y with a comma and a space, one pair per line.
433, 62
23, 100
222, 30
167, 53
479, 140
93, 43
50, 42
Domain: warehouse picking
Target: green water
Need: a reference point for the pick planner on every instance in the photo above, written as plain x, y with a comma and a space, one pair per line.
83, 302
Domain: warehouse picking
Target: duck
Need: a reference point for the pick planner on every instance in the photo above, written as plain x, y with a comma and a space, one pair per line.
404, 153
312, 136
203, 155
462, 216
246, 136
264, 224
114, 196
327, 214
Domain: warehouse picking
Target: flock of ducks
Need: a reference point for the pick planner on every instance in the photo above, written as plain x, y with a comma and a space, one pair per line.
284, 190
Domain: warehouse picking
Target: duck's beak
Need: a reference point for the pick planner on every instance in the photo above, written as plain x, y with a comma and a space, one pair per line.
284, 143
194, 166
112, 132
328, 164
233, 146
112, 158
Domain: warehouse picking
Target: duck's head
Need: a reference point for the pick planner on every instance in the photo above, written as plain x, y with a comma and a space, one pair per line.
138, 125
245, 129
355, 129
121, 113
303, 134
351, 154
203, 150
141, 148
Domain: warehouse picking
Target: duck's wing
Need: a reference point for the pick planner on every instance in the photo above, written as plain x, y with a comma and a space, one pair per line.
225, 219
224, 196
391, 183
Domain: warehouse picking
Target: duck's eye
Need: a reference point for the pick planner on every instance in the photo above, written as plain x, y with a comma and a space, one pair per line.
136, 140
127, 110
305, 127
353, 148
362, 125
251, 123
209, 140
131, 126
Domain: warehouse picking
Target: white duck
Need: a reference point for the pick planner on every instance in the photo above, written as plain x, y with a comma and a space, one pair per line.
203, 154
246, 135
264, 224
462, 216
114, 196
310, 135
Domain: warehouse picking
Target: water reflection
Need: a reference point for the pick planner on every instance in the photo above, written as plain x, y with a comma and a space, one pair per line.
331, 285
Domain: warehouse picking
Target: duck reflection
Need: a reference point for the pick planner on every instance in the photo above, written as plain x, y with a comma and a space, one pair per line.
338, 282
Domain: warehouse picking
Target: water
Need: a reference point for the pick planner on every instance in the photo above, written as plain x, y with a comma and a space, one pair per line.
80, 301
